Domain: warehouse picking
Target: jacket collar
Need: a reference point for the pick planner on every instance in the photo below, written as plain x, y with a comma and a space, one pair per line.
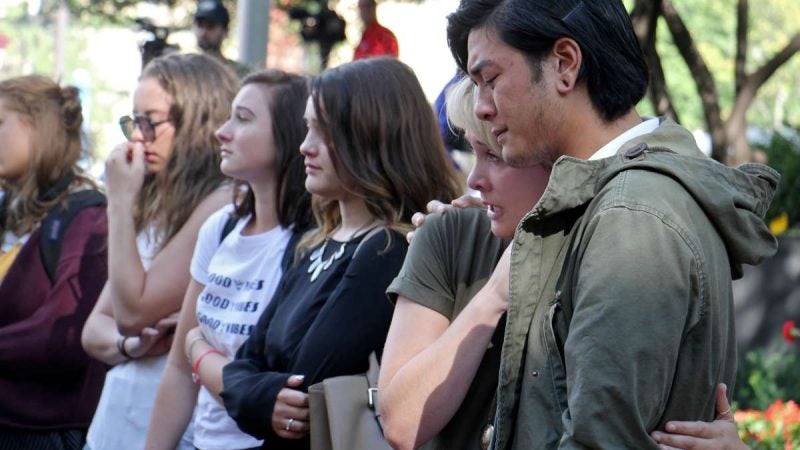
574, 182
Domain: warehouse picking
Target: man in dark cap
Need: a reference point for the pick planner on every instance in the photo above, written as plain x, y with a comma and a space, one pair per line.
211, 28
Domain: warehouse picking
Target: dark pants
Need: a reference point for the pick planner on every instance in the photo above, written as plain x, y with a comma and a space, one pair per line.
72, 439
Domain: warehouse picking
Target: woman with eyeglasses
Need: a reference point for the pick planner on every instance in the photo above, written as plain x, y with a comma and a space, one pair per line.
372, 157
49, 386
162, 185
238, 260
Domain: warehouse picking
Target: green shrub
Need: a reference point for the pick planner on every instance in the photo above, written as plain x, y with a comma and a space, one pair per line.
766, 376
783, 153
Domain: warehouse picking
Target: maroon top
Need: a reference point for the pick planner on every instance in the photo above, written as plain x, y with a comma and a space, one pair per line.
47, 381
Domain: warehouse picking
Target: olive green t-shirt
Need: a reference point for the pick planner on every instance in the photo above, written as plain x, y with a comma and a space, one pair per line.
450, 259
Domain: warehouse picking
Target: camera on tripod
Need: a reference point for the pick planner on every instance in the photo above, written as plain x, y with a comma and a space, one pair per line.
157, 45
325, 27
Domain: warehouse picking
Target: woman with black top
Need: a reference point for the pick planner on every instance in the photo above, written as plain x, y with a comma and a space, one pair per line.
372, 158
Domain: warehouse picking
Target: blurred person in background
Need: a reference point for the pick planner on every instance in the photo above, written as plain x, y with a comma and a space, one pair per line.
211, 22
162, 185
49, 387
376, 40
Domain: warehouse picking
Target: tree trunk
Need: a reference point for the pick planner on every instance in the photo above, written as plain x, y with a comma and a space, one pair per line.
740, 64
736, 125
706, 87
645, 19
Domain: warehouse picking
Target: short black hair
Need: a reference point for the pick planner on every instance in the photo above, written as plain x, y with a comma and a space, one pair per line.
613, 66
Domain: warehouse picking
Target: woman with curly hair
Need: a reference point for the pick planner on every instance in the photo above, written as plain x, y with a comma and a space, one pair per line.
49, 386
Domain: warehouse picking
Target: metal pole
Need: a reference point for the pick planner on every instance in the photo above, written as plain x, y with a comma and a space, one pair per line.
253, 18
60, 36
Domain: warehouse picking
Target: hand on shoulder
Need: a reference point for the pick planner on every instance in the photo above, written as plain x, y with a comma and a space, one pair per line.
436, 206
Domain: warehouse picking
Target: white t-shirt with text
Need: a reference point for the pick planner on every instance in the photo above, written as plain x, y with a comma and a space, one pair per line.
239, 276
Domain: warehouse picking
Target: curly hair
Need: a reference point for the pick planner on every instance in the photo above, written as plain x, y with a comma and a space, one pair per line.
55, 116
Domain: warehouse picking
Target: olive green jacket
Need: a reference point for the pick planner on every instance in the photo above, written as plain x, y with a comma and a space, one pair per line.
620, 311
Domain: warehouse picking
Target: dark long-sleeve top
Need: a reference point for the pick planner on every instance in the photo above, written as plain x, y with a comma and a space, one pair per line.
47, 381
320, 329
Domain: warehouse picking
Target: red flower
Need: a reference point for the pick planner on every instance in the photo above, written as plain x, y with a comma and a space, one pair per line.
790, 331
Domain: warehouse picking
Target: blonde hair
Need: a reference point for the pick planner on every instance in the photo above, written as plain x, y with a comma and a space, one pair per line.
460, 104
55, 117
201, 89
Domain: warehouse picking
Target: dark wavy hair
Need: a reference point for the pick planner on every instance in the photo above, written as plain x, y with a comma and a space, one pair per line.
55, 116
613, 65
287, 102
201, 89
384, 143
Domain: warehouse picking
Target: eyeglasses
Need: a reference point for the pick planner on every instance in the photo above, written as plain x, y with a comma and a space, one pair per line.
129, 124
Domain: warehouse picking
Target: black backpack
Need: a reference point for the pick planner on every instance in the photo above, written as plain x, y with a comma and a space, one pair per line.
57, 220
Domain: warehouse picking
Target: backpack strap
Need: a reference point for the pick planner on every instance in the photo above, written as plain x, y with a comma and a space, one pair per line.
230, 224
56, 222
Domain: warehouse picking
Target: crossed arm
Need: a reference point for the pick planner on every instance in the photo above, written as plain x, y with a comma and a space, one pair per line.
143, 304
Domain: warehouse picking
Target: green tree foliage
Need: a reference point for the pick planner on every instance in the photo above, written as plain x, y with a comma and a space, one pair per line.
783, 154
722, 65
31, 50
765, 376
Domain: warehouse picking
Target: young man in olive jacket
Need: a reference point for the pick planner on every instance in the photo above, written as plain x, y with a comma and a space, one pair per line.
620, 310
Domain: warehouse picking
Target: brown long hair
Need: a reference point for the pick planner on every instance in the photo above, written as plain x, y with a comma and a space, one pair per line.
384, 142
288, 96
201, 89
55, 117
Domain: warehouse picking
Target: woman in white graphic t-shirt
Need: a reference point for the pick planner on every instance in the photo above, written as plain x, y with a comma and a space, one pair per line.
237, 260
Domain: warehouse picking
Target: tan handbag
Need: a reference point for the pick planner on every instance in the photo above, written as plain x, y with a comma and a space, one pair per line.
344, 412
